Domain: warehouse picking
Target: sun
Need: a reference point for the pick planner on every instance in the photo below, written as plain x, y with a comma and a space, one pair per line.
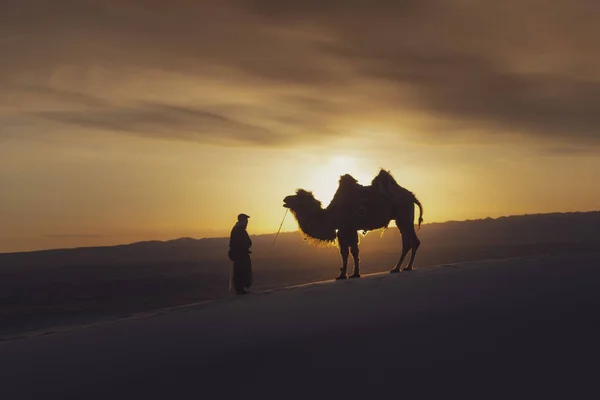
326, 177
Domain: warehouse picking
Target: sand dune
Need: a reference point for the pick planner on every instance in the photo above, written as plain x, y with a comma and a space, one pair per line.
524, 328
46, 289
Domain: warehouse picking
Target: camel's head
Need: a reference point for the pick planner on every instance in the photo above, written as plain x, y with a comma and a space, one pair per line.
302, 200
311, 217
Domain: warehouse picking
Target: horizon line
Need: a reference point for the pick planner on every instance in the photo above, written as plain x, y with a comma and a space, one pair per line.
294, 231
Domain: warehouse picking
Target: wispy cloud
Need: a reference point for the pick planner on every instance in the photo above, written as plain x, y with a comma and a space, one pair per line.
166, 121
297, 70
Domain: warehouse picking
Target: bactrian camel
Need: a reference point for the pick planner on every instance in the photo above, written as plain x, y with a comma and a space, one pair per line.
354, 208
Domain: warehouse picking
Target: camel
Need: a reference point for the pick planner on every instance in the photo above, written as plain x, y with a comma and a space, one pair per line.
354, 208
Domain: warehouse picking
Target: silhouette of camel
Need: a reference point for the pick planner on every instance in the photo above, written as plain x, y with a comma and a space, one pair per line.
354, 208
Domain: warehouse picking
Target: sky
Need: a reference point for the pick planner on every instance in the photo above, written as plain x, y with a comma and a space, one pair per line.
129, 120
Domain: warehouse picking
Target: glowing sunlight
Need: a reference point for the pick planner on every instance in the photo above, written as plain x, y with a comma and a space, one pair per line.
325, 178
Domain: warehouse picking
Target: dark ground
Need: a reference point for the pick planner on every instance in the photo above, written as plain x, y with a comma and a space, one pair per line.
33, 299
40, 290
520, 329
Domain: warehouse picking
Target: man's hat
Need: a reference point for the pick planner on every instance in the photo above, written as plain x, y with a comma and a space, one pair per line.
243, 216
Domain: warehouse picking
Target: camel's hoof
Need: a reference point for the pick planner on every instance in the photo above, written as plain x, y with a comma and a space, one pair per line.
394, 271
407, 269
341, 277
355, 276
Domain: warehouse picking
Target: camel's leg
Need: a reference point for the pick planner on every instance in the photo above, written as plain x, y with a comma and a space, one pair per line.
343, 271
405, 216
354, 251
343, 244
405, 249
351, 240
345, 241
415, 243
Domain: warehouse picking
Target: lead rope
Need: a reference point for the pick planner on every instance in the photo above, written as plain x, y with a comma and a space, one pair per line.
272, 244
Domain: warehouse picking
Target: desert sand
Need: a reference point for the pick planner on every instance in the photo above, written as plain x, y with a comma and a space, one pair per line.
516, 328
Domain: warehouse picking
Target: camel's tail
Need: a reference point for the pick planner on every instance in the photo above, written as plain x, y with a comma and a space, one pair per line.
417, 202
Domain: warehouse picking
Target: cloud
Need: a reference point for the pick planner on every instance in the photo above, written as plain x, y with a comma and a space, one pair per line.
294, 70
470, 63
470, 91
276, 126
166, 121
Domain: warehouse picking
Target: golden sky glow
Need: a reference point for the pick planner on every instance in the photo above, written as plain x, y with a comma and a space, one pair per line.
140, 120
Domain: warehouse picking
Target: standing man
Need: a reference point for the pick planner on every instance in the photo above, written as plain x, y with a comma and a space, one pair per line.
239, 253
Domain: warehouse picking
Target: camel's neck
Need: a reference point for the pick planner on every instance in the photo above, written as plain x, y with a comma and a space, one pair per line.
316, 224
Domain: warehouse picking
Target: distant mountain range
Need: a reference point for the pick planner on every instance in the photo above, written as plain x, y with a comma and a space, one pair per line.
505, 231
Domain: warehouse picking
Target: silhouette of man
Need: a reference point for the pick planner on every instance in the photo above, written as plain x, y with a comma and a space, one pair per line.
239, 253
